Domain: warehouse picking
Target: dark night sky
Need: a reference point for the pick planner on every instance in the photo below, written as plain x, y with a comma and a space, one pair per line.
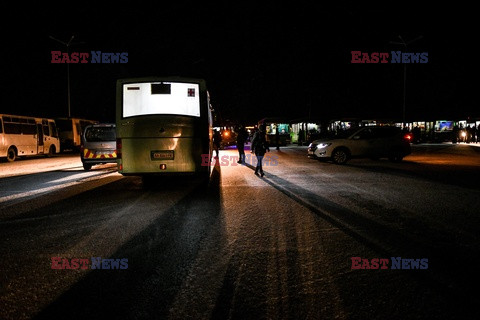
287, 60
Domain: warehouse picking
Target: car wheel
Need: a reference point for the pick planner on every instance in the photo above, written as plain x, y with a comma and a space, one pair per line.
340, 156
87, 166
396, 156
11, 154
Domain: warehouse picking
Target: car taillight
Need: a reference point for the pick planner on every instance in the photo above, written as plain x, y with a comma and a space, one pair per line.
408, 137
119, 148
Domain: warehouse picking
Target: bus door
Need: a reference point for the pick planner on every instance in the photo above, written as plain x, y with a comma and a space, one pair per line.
39, 138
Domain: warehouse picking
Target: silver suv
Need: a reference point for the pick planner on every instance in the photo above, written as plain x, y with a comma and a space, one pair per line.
374, 142
98, 145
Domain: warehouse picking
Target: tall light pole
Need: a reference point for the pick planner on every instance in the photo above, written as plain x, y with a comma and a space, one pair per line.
405, 44
67, 45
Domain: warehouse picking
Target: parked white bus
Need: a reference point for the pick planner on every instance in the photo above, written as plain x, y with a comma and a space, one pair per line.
70, 131
164, 126
27, 136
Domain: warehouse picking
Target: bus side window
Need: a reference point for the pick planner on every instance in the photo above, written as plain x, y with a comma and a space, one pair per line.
12, 128
28, 128
53, 130
45, 127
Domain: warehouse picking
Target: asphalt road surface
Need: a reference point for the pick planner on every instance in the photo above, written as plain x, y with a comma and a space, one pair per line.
294, 244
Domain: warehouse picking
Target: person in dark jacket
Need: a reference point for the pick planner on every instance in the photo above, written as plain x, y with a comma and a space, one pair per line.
217, 140
416, 134
455, 134
241, 139
277, 137
259, 147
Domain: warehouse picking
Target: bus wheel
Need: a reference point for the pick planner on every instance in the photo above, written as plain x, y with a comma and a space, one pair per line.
11, 154
51, 151
87, 166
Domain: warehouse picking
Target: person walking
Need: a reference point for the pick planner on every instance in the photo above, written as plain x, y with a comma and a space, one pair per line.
416, 134
300, 137
474, 133
455, 134
217, 140
241, 139
468, 133
277, 137
259, 147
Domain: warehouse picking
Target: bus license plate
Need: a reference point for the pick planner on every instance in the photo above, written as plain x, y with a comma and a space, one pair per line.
162, 155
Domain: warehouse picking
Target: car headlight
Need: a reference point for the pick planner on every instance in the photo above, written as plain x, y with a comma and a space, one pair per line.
323, 145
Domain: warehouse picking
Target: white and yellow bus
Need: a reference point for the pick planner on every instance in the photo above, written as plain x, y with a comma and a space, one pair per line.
27, 136
70, 132
164, 126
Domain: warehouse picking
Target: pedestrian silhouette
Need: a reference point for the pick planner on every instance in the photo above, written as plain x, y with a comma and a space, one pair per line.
455, 134
241, 139
300, 137
277, 137
416, 134
217, 140
259, 147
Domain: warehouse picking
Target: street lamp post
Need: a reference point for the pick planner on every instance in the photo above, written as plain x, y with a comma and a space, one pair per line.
67, 45
405, 44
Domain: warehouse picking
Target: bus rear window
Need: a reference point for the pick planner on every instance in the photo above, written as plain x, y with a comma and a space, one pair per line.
161, 98
161, 88
99, 134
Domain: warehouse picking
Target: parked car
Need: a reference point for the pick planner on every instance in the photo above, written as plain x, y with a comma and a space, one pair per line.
374, 142
98, 145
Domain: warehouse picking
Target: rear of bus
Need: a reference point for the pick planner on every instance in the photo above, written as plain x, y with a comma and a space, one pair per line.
163, 127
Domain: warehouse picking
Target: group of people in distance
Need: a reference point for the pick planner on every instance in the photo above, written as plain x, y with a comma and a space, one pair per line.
470, 134
259, 145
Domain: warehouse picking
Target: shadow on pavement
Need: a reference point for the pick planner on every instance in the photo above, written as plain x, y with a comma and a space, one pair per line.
458, 175
159, 259
414, 240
